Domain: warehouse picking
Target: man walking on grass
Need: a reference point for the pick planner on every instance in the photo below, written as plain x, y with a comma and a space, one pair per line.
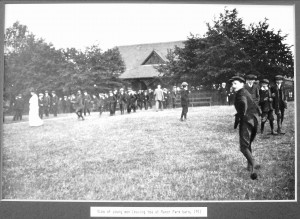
159, 97
266, 102
247, 118
279, 101
78, 105
184, 100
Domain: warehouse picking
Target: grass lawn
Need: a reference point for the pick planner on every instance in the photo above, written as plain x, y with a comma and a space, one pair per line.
147, 155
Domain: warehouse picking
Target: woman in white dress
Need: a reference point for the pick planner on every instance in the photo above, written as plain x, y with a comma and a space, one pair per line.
34, 119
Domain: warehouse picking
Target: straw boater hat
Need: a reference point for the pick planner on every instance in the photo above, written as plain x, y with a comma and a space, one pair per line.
184, 84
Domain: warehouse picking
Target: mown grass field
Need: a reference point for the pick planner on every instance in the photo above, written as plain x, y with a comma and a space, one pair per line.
146, 156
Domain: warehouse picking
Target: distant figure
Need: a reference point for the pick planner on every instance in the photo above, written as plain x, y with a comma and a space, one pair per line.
223, 94
34, 119
184, 100
54, 103
78, 105
41, 105
18, 107
159, 97
47, 103
173, 96
87, 103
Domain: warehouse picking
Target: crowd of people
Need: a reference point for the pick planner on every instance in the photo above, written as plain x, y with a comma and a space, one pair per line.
254, 103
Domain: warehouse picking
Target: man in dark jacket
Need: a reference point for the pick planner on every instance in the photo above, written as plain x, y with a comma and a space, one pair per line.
247, 118
279, 101
41, 105
87, 103
111, 100
78, 105
184, 100
173, 97
252, 88
266, 102
47, 103
122, 100
18, 107
54, 103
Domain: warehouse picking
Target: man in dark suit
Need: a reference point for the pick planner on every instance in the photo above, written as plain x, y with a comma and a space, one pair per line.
223, 94
122, 100
54, 103
18, 107
47, 103
252, 87
78, 105
247, 118
173, 96
41, 105
184, 94
279, 101
266, 104
111, 103
87, 103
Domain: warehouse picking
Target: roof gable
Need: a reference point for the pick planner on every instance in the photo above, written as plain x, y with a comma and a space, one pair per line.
153, 59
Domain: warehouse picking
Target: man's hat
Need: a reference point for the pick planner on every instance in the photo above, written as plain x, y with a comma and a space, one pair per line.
251, 77
265, 81
278, 77
184, 84
53, 92
237, 78
31, 89
41, 94
46, 91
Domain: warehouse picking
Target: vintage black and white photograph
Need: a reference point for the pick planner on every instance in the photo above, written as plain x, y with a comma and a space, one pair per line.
149, 102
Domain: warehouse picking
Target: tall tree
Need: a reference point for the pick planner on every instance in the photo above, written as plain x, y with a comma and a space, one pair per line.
229, 48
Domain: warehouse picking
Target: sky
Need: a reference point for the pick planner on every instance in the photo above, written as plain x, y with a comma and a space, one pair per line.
110, 25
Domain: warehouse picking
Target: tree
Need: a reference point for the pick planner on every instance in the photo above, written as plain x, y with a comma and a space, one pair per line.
229, 48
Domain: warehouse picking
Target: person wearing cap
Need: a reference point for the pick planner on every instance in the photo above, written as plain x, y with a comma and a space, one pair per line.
184, 94
247, 119
54, 103
78, 104
101, 104
151, 97
34, 119
223, 94
122, 100
18, 107
252, 87
159, 97
266, 104
173, 97
41, 105
279, 101
111, 100
47, 103
87, 103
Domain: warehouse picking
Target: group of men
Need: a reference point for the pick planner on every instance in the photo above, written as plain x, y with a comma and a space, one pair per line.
252, 102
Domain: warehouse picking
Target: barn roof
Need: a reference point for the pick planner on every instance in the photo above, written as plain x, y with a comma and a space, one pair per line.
135, 55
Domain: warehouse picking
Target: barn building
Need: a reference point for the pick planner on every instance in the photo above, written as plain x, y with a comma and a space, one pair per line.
140, 61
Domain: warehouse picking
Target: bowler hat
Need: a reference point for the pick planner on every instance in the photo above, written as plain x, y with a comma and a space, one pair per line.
265, 81
237, 78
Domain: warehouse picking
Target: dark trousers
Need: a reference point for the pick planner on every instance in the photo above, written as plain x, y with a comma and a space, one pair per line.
86, 109
122, 107
41, 112
173, 103
54, 110
112, 109
184, 111
247, 132
101, 108
79, 113
150, 104
47, 110
18, 114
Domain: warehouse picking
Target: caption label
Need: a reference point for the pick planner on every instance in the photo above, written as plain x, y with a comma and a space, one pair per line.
148, 211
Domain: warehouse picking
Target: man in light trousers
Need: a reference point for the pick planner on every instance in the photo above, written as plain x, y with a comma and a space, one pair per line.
159, 96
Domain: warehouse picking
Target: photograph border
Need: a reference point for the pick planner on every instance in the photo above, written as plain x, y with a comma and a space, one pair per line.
216, 209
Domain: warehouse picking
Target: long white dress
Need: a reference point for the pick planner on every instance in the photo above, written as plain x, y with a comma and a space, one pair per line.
34, 119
